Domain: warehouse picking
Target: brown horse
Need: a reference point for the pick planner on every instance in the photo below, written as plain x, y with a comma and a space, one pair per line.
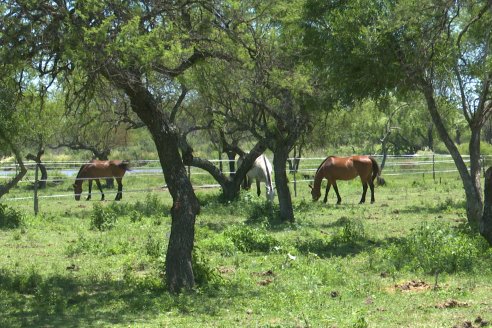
95, 170
345, 168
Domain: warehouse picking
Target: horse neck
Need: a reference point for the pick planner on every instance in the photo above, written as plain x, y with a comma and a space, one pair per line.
318, 177
80, 175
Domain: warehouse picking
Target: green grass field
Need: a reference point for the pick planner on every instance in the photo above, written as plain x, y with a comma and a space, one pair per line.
405, 261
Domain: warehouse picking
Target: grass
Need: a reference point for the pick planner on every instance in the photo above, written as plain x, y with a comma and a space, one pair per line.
99, 264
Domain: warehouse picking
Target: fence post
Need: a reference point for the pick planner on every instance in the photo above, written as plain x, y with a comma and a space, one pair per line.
434, 167
295, 181
36, 182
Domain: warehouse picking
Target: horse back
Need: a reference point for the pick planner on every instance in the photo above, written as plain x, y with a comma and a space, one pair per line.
339, 168
363, 165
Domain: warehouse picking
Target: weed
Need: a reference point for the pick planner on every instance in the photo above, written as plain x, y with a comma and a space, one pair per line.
434, 248
248, 239
153, 246
10, 218
102, 218
350, 232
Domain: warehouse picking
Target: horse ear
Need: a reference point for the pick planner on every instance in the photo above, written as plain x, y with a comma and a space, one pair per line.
310, 186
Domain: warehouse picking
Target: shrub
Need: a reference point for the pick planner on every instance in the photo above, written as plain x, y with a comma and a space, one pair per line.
10, 218
350, 232
204, 273
151, 206
248, 239
102, 218
434, 248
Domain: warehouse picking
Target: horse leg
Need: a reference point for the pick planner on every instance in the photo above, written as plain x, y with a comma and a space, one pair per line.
339, 199
100, 188
119, 194
258, 187
364, 190
90, 189
326, 193
371, 185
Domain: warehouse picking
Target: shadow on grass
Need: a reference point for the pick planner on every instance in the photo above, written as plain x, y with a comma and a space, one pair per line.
342, 247
32, 301
448, 205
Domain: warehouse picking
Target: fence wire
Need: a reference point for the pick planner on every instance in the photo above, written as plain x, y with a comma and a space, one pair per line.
66, 171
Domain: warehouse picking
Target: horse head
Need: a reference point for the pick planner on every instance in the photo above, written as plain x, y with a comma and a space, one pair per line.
77, 190
316, 194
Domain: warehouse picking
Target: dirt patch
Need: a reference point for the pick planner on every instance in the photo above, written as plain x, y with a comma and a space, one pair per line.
226, 270
413, 286
451, 304
478, 322
265, 282
268, 273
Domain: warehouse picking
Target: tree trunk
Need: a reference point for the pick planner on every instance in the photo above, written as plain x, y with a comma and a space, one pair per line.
42, 168
179, 271
5, 188
230, 184
280, 156
474, 205
485, 226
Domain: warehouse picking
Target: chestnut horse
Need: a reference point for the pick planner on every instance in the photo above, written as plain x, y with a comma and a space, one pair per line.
345, 168
95, 170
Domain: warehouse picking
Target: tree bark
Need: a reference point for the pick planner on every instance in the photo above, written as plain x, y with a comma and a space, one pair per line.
4, 189
179, 270
230, 184
485, 226
42, 168
474, 205
280, 156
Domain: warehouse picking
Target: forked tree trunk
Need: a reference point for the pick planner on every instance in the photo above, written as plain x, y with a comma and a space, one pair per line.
179, 270
280, 156
42, 168
5, 188
471, 184
485, 226
230, 184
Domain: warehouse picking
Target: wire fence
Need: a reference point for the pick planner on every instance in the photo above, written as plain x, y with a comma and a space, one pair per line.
147, 176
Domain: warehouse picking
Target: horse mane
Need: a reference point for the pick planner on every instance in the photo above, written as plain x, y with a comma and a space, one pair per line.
80, 171
323, 163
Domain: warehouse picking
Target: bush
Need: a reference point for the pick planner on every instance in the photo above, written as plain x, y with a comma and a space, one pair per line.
435, 248
102, 218
350, 232
248, 239
10, 218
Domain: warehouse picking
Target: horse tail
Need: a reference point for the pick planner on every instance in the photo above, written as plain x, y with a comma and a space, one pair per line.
267, 171
271, 194
375, 168
125, 165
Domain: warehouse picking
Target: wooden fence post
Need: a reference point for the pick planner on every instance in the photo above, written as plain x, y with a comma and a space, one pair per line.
295, 181
434, 167
36, 182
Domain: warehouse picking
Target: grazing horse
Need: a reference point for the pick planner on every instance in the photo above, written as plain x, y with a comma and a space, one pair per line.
95, 170
261, 171
345, 168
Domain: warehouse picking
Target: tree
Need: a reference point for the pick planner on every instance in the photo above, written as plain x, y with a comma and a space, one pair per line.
269, 89
439, 49
138, 47
10, 130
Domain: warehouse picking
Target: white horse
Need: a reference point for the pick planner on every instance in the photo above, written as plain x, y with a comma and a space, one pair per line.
261, 171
